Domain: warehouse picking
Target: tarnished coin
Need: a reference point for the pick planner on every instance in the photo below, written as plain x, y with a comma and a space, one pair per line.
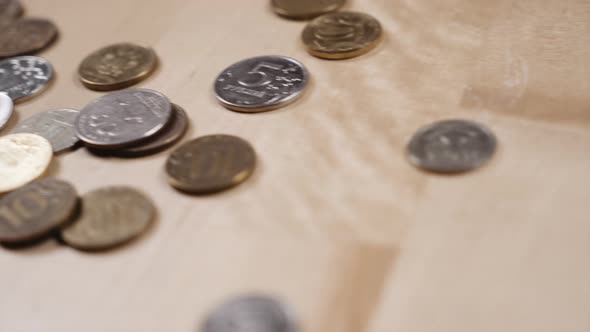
261, 84
6, 109
210, 164
57, 126
109, 217
123, 118
10, 10
251, 313
117, 66
26, 36
24, 77
23, 158
304, 9
342, 35
452, 146
36, 209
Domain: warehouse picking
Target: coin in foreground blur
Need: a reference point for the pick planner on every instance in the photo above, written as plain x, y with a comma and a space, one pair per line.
452, 146
261, 84
117, 66
109, 217
342, 35
24, 77
210, 164
23, 158
6, 109
26, 36
10, 10
304, 9
123, 118
36, 209
57, 126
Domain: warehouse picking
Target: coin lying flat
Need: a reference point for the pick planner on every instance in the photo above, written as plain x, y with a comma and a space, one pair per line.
304, 9
6, 109
452, 146
23, 158
117, 66
24, 77
109, 217
26, 36
10, 10
36, 209
342, 35
57, 126
123, 118
210, 164
261, 84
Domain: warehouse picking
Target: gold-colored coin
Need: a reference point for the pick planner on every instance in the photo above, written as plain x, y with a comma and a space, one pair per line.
117, 66
304, 9
342, 35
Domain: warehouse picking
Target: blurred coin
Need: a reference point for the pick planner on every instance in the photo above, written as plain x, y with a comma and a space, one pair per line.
304, 9
36, 209
10, 10
452, 146
261, 84
23, 158
342, 35
26, 36
24, 77
6, 109
210, 164
57, 126
117, 66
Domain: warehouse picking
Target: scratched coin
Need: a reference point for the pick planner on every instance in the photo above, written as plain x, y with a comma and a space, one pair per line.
304, 9
452, 146
24, 77
342, 35
210, 164
26, 36
6, 109
23, 158
117, 66
36, 209
10, 10
123, 118
57, 126
251, 313
261, 84
109, 217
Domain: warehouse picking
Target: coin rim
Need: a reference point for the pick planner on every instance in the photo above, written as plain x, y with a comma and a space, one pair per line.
285, 13
10, 113
39, 89
30, 50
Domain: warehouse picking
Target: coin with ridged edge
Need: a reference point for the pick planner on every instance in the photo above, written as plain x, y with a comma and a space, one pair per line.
304, 9
6, 109
23, 158
26, 36
10, 10
57, 126
23, 77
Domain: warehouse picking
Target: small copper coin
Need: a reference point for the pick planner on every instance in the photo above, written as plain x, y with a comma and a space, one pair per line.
26, 36
117, 66
109, 217
304, 9
342, 35
210, 164
10, 10
34, 210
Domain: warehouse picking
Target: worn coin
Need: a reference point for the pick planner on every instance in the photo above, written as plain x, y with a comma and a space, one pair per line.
452, 146
10, 10
36, 209
24, 77
6, 109
117, 66
26, 36
57, 126
304, 9
123, 118
342, 35
251, 313
210, 164
109, 217
261, 84
23, 158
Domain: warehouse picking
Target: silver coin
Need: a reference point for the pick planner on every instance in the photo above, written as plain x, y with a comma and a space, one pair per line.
57, 126
10, 10
6, 109
24, 76
250, 314
452, 146
123, 118
261, 84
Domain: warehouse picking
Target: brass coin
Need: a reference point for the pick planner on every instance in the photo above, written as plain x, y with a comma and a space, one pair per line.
211, 164
26, 36
304, 9
34, 210
109, 217
117, 66
342, 35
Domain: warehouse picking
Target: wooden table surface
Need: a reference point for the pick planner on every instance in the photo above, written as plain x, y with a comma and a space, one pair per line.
335, 221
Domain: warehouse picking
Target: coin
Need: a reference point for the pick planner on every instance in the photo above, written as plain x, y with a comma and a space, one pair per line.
57, 126
109, 217
6, 109
24, 77
26, 36
452, 146
123, 118
23, 158
210, 164
304, 9
10, 10
342, 35
261, 84
36, 209
250, 313
117, 66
